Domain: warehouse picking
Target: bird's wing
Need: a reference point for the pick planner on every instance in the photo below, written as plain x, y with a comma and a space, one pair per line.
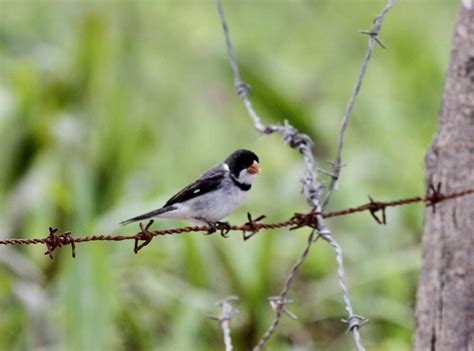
209, 181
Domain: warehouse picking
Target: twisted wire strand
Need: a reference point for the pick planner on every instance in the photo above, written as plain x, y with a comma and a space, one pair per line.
312, 188
296, 221
373, 38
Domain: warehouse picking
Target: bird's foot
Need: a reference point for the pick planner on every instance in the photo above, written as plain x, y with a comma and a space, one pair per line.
212, 228
224, 227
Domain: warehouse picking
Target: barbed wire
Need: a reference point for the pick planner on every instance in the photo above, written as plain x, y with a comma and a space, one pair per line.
248, 229
373, 38
278, 302
224, 318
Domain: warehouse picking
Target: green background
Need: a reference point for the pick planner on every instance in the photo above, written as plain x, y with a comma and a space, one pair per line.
107, 108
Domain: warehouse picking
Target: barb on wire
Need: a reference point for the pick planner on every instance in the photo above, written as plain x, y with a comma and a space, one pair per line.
144, 235
374, 208
252, 225
373, 38
53, 241
224, 318
435, 195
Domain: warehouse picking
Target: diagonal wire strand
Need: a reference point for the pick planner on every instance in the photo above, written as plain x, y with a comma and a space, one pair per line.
280, 300
373, 38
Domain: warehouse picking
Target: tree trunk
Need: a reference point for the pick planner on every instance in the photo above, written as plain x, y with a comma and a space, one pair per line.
445, 296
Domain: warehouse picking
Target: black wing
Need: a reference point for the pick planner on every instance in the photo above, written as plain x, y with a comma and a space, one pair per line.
209, 181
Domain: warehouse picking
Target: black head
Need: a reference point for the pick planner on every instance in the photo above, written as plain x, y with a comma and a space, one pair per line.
240, 160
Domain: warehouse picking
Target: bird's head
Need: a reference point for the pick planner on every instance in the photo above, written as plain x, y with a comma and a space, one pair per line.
243, 165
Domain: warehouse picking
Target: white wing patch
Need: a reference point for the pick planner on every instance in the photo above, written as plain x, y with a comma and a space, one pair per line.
196, 191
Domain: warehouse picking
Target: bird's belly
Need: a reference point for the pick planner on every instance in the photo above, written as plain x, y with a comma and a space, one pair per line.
213, 207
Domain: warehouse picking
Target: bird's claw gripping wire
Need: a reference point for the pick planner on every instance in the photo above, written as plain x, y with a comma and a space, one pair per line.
224, 227
251, 226
213, 227
145, 235
53, 241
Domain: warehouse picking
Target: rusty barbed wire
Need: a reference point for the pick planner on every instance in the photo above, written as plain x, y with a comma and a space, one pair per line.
248, 229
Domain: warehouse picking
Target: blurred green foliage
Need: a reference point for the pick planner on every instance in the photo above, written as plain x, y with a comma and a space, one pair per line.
109, 107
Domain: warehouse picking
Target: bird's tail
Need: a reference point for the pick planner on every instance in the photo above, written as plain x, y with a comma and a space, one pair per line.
146, 215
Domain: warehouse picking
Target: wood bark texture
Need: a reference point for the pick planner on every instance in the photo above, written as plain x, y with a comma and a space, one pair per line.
445, 296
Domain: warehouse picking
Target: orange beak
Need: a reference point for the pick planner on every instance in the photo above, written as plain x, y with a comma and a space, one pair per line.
254, 168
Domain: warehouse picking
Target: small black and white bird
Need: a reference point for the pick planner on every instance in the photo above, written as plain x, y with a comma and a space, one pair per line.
214, 195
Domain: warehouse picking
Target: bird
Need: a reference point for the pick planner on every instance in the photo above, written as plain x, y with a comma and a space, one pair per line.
217, 193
